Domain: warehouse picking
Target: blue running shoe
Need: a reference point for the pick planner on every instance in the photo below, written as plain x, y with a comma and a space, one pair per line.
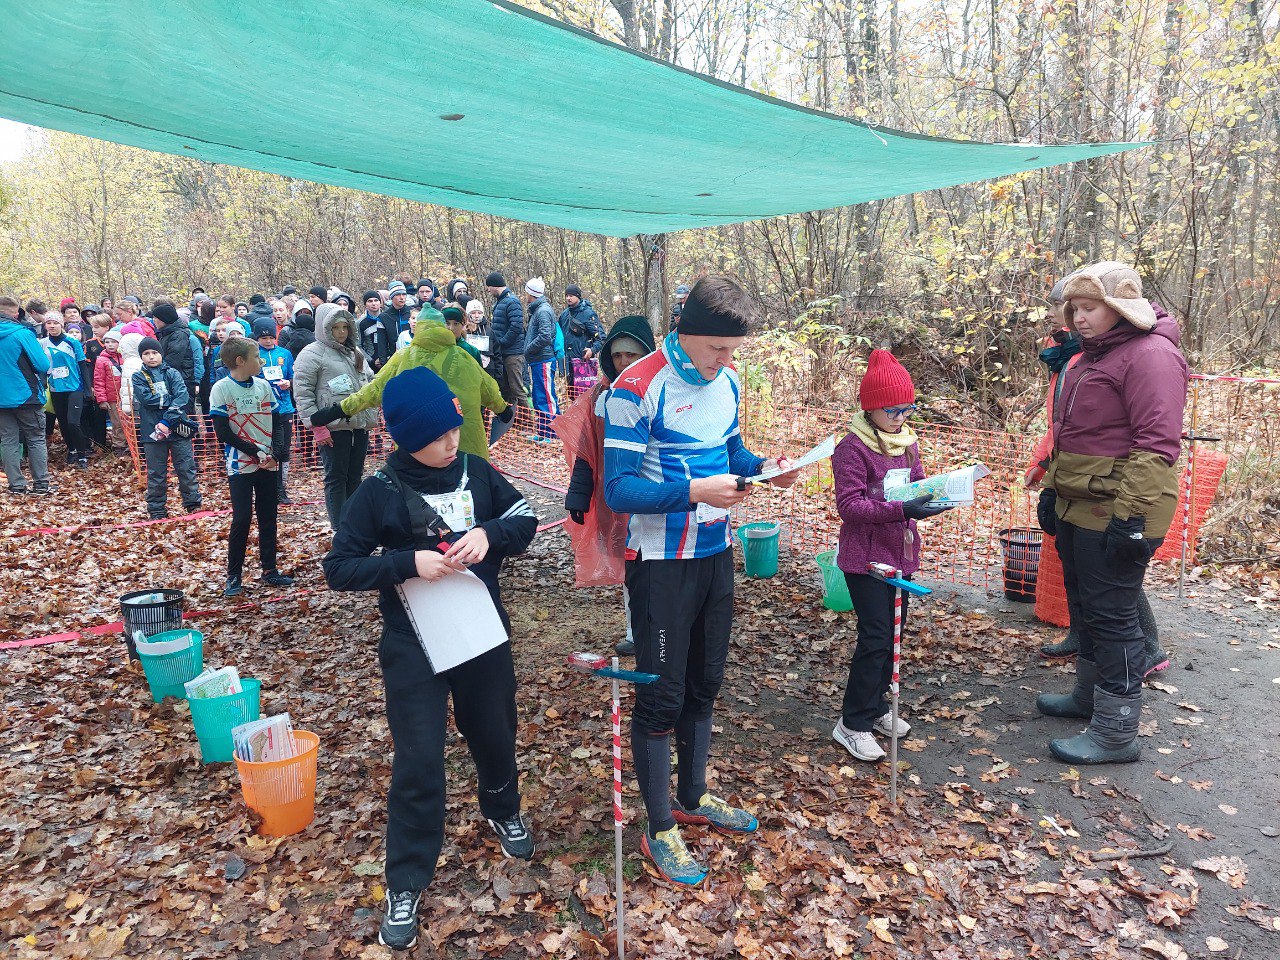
672, 857
719, 816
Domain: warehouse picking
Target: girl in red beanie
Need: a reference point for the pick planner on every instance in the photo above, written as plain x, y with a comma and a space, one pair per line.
879, 447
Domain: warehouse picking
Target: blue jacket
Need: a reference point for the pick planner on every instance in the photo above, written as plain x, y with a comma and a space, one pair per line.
582, 330
278, 357
540, 336
506, 329
65, 359
159, 393
23, 366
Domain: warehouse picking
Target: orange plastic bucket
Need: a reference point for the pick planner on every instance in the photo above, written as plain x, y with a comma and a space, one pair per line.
283, 792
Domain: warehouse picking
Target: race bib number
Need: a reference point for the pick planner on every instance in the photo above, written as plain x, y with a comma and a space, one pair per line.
897, 477
709, 514
342, 384
458, 510
273, 373
59, 373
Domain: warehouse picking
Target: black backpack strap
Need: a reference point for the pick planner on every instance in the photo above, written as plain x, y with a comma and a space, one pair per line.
427, 525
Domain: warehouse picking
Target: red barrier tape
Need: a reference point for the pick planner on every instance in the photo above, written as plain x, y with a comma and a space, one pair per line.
94, 527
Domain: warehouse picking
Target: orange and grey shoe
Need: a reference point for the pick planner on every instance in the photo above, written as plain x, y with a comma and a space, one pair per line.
672, 858
713, 812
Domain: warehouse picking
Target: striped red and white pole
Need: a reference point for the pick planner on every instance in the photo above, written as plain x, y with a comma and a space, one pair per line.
893, 690
619, 891
617, 757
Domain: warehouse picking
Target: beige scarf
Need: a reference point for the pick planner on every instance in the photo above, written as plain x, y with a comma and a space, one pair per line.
896, 443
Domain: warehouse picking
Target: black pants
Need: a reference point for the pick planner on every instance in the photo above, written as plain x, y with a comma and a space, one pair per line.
252, 492
282, 437
1106, 595
484, 709
343, 469
681, 615
871, 667
67, 410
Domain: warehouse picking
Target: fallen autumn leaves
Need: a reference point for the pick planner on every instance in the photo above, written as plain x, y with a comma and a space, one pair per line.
122, 844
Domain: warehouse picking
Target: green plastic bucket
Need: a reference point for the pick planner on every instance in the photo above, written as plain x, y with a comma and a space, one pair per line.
214, 717
760, 547
167, 672
835, 587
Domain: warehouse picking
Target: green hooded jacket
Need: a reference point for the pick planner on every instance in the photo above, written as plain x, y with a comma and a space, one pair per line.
434, 347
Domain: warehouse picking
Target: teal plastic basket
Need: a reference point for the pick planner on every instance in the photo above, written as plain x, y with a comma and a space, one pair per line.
835, 587
169, 671
214, 717
760, 547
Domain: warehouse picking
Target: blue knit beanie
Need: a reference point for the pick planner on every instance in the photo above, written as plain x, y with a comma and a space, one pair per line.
419, 408
264, 327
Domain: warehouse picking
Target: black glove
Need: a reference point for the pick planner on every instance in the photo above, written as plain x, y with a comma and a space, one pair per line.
509, 414
1047, 511
322, 418
582, 485
922, 509
1123, 541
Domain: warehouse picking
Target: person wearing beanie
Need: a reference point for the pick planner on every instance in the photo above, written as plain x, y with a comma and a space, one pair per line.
68, 381
507, 340
181, 349
316, 296
428, 294
583, 335
598, 535
455, 318
108, 373
300, 330
345, 300
455, 288
677, 307
436, 349
246, 416
1109, 497
277, 370
877, 453
395, 315
433, 512
160, 403
674, 415
540, 357
255, 299
371, 334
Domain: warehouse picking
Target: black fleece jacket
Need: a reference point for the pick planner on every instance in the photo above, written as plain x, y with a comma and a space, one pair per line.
376, 517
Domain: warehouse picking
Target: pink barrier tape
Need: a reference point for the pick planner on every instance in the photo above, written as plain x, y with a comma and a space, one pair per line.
95, 527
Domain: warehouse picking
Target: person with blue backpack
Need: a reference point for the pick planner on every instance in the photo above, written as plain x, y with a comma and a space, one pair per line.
67, 385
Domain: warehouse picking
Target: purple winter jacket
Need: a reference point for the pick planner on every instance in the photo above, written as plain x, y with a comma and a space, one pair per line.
872, 530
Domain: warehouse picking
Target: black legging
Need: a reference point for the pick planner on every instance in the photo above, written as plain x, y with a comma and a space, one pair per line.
250, 492
67, 409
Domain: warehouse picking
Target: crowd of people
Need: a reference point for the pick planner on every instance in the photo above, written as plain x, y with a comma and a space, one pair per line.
657, 463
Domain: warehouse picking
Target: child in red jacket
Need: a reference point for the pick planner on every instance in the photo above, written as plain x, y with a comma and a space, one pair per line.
107, 371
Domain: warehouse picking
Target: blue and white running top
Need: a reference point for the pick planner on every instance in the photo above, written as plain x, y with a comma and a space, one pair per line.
661, 432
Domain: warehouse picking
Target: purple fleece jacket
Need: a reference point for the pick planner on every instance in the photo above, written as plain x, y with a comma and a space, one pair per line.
873, 529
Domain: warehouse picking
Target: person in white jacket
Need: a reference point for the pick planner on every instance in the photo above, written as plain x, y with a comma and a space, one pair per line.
131, 363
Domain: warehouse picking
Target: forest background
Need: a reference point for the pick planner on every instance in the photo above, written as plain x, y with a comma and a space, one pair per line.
955, 279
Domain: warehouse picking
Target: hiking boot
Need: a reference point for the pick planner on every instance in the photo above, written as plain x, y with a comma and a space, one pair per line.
885, 725
713, 812
627, 648
1069, 646
234, 586
672, 858
399, 929
514, 837
274, 578
861, 743
1079, 702
40, 488
1112, 736
1157, 660
82, 463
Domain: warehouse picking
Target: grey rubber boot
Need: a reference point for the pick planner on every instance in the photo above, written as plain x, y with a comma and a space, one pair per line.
1112, 736
1079, 702
1157, 659
1069, 646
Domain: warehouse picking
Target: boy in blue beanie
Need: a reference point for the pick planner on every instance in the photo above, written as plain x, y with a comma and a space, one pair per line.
431, 513
277, 370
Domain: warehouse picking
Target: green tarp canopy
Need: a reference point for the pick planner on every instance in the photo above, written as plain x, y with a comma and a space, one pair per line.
475, 104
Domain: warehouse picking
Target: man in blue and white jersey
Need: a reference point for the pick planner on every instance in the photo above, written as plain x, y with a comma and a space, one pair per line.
672, 457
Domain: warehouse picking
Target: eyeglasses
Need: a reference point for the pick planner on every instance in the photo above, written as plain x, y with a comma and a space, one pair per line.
897, 413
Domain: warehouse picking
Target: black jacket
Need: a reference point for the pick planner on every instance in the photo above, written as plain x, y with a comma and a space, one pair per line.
298, 333
376, 518
506, 338
175, 347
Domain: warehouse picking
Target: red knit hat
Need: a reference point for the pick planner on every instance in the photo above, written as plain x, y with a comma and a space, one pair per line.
67, 302
886, 383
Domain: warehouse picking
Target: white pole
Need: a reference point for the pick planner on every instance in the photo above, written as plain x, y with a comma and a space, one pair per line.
893, 689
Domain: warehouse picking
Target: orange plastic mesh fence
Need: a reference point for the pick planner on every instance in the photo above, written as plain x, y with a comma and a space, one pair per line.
1051, 591
996, 543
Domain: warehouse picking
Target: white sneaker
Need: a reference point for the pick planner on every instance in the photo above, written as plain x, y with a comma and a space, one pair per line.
861, 743
885, 725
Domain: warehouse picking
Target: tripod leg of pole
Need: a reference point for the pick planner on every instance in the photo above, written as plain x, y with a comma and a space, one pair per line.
893, 690
617, 818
